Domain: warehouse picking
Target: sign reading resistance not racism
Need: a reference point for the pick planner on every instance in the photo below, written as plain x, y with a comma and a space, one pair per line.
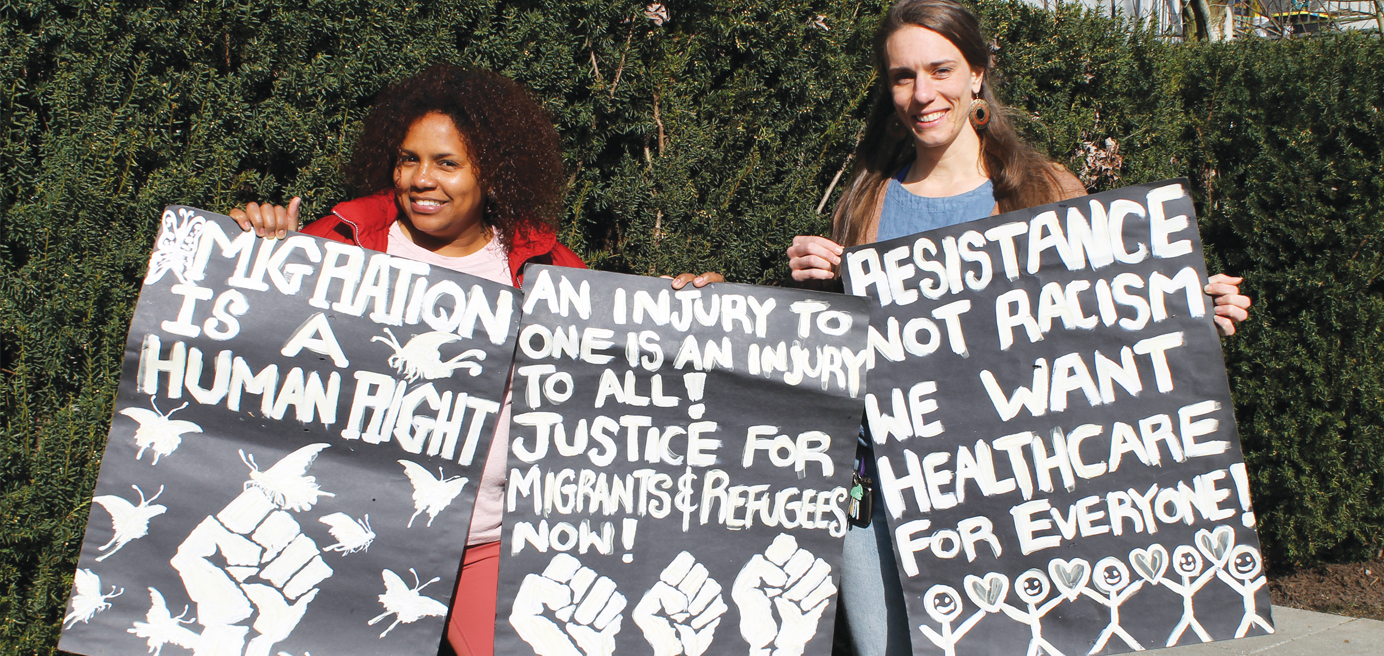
298, 434
1053, 431
679, 463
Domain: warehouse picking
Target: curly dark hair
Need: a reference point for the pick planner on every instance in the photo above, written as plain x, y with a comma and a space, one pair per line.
509, 138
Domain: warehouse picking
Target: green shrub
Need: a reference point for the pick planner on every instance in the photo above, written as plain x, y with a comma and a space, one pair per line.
702, 143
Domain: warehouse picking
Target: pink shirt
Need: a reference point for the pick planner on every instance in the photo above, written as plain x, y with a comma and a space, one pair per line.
490, 263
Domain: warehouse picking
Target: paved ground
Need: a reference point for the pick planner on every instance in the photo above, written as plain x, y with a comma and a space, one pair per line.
1300, 633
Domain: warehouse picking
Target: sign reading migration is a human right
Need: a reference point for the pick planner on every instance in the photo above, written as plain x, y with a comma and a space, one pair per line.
1053, 431
293, 459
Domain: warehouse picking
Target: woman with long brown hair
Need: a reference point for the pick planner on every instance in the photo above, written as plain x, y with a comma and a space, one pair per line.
937, 151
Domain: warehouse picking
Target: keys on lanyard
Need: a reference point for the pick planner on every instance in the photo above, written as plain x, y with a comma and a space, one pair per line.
861, 503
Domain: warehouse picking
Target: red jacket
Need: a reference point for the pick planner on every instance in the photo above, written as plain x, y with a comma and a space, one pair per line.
365, 222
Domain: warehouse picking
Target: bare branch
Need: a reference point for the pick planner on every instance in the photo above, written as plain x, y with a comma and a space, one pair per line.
837, 178
658, 121
594, 67
621, 68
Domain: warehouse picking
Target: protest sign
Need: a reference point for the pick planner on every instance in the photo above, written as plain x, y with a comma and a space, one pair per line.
1053, 430
299, 430
679, 466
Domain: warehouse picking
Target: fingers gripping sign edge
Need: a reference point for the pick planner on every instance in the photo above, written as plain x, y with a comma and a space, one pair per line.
811, 257
268, 220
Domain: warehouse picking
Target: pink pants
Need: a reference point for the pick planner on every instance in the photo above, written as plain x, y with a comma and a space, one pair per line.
471, 630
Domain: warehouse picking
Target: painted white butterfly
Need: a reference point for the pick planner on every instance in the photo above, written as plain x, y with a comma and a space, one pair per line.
285, 483
176, 247
158, 431
130, 522
351, 535
420, 357
162, 627
87, 600
431, 493
406, 604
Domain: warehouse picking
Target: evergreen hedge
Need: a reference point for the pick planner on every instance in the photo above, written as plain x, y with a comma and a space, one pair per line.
703, 142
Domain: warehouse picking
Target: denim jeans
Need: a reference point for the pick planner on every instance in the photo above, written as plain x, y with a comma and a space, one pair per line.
871, 594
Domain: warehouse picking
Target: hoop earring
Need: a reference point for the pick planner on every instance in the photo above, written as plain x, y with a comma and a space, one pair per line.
980, 114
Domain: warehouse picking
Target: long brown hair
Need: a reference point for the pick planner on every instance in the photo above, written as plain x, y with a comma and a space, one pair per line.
1021, 176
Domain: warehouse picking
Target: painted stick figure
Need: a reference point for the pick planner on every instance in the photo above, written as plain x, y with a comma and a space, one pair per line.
943, 605
1112, 579
1033, 587
1244, 576
1188, 564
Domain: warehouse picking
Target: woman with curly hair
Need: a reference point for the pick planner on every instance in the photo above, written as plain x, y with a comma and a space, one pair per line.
450, 161
460, 169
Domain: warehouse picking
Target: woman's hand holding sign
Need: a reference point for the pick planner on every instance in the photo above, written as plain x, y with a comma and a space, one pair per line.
268, 220
698, 281
813, 258
1231, 306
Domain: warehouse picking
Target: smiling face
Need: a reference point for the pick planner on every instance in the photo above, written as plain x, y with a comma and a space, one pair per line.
1187, 561
1111, 575
1245, 562
1032, 586
941, 603
932, 87
440, 199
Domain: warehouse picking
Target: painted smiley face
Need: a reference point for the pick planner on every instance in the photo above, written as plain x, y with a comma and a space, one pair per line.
1245, 562
1187, 561
1032, 586
942, 603
1112, 575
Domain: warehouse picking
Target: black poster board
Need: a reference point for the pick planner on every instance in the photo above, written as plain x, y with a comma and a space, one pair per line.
1054, 433
679, 467
299, 431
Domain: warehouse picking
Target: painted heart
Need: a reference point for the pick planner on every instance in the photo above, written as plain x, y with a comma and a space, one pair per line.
1070, 576
1216, 544
987, 593
1150, 563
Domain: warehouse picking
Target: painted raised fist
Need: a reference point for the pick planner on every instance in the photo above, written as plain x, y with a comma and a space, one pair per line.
271, 569
679, 615
568, 610
790, 581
